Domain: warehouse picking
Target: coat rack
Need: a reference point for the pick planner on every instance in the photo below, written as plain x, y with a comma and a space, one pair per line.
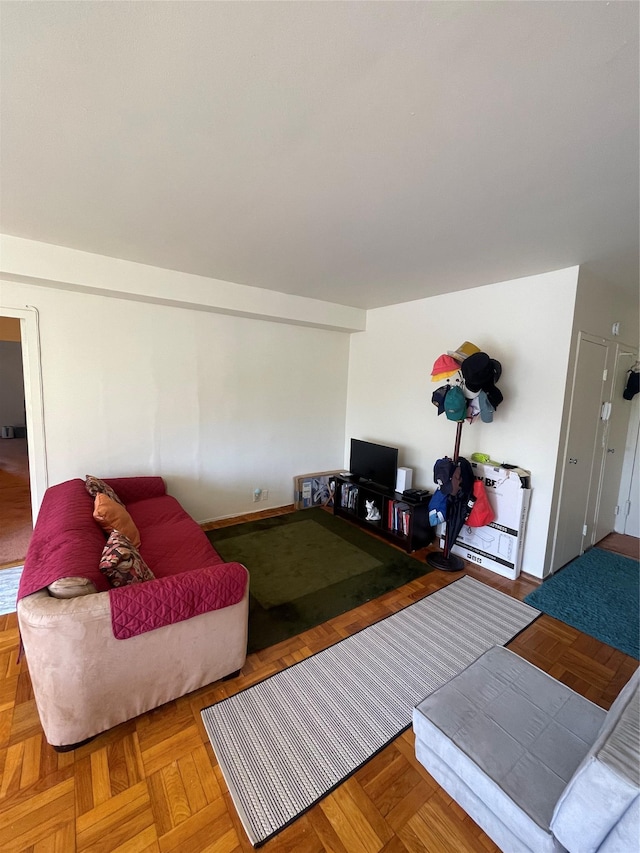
484, 372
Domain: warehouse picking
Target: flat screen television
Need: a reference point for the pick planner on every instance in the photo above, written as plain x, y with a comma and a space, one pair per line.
374, 463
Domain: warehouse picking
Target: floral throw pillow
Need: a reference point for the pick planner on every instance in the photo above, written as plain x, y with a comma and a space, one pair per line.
122, 563
94, 485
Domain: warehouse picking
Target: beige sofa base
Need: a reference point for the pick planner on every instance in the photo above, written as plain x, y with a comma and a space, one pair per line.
85, 681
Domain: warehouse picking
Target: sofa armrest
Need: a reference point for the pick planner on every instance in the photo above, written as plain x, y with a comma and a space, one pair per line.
86, 681
142, 607
604, 790
41, 610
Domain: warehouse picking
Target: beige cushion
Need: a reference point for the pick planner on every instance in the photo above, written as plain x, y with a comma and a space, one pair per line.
71, 587
113, 516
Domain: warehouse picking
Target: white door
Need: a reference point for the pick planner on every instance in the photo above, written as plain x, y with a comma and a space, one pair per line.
614, 438
583, 452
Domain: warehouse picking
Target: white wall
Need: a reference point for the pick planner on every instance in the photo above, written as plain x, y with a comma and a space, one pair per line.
61, 268
526, 324
221, 395
600, 304
217, 404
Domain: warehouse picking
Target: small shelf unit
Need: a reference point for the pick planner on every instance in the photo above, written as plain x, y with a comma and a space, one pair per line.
402, 521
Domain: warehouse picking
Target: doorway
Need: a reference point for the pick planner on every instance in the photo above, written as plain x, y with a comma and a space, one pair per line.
628, 518
614, 459
15, 494
23, 469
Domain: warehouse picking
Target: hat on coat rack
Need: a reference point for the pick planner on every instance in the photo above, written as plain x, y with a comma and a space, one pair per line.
455, 404
437, 398
480, 371
443, 367
464, 350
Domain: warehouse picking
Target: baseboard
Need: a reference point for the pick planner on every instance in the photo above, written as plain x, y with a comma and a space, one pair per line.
247, 516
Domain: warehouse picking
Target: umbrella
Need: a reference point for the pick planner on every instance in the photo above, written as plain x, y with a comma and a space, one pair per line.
460, 500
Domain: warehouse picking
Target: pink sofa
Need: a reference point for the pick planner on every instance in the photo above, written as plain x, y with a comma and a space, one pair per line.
98, 659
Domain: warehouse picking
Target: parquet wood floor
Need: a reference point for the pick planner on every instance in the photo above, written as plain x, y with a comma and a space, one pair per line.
152, 785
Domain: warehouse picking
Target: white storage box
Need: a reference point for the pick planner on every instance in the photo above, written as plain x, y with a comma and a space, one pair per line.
498, 546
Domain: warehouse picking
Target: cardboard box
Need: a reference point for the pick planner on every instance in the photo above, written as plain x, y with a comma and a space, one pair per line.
498, 546
314, 489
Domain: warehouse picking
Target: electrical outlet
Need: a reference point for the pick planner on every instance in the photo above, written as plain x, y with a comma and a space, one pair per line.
265, 494
256, 494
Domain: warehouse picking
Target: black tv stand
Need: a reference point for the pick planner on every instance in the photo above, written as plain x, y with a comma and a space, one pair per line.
402, 521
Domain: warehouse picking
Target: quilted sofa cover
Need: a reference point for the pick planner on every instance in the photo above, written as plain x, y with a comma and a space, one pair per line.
100, 659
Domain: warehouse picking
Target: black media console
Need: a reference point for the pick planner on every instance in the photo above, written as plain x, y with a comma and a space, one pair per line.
403, 521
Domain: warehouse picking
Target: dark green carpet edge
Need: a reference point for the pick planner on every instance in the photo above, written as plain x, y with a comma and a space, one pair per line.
599, 594
268, 626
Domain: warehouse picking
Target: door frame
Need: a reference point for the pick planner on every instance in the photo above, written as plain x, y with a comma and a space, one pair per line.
582, 338
34, 403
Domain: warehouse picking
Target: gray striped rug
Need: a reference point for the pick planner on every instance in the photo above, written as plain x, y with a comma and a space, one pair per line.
9, 582
284, 743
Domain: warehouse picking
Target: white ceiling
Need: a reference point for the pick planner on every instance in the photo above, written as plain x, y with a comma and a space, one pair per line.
363, 153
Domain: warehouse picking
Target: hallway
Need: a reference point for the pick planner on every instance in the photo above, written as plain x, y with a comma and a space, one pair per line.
15, 501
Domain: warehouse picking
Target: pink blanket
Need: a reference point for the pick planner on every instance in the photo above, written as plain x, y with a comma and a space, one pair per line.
66, 541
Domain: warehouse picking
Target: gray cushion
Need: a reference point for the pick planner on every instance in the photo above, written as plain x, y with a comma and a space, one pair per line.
514, 734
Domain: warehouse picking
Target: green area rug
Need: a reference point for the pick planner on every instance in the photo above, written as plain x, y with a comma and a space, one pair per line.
307, 567
599, 594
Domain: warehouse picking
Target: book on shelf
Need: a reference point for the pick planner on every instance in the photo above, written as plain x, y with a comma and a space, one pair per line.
349, 496
399, 518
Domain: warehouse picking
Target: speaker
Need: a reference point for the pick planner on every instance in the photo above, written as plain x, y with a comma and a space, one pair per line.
404, 479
